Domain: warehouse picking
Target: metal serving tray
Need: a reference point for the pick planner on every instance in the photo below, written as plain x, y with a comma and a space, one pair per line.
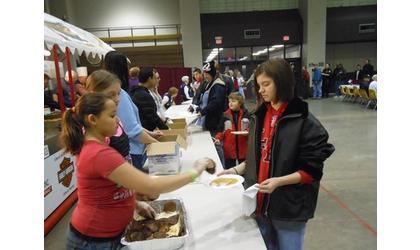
167, 243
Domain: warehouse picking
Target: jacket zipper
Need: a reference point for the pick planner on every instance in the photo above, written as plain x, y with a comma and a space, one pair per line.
272, 160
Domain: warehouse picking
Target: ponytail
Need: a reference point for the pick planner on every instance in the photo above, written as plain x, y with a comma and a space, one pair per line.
72, 134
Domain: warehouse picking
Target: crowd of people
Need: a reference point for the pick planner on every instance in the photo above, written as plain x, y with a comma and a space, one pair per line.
280, 147
326, 79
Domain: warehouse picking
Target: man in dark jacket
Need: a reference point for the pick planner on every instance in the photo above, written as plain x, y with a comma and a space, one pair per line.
326, 79
339, 77
358, 74
287, 147
367, 68
212, 99
144, 101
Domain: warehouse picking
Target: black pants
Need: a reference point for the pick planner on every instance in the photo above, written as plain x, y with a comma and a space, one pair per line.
325, 87
230, 163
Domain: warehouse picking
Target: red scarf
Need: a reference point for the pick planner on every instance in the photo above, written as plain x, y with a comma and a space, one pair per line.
270, 121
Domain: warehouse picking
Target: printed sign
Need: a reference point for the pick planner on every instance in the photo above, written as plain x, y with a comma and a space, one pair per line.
59, 180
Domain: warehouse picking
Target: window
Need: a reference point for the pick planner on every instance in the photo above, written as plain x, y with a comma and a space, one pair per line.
260, 53
292, 51
243, 54
276, 51
226, 55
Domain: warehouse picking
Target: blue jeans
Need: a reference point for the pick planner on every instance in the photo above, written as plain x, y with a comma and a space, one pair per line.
138, 161
338, 83
241, 91
317, 89
74, 242
282, 235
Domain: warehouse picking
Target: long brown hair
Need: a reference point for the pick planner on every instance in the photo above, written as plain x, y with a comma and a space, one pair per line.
280, 71
100, 80
72, 136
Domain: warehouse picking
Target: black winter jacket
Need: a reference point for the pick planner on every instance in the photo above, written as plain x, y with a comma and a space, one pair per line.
215, 106
147, 108
300, 142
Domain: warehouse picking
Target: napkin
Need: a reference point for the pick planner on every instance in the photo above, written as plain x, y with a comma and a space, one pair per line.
249, 200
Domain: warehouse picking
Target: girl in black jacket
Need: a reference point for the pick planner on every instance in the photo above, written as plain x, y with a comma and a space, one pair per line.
287, 146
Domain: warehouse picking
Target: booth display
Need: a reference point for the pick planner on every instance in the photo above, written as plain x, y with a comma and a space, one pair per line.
60, 168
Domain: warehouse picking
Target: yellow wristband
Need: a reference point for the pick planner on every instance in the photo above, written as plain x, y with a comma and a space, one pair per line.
193, 173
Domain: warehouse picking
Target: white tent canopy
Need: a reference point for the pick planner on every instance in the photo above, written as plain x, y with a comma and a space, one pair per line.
56, 31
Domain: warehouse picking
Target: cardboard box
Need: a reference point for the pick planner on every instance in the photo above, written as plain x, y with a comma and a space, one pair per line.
174, 138
180, 120
179, 127
164, 157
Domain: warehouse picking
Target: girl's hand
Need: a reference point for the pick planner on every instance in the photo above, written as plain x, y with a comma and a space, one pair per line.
156, 134
204, 163
269, 185
145, 210
217, 142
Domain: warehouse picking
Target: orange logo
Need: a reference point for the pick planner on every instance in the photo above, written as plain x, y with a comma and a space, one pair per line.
66, 172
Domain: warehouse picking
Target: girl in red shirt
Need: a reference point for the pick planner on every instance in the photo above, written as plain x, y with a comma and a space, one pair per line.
106, 182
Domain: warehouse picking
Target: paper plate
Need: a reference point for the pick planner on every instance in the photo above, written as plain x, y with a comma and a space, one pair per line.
239, 180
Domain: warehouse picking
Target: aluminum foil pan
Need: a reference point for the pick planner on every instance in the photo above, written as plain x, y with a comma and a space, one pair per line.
166, 243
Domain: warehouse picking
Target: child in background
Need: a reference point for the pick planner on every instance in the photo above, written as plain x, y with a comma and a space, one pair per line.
235, 119
106, 182
169, 97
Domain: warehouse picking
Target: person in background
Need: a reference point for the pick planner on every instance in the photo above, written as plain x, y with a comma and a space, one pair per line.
373, 84
187, 91
232, 75
133, 80
317, 83
305, 82
75, 79
201, 87
126, 110
158, 99
50, 99
211, 106
66, 88
117, 63
169, 97
358, 74
80, 85
326, 80
287, 147
130, 144
236, 118
339, 77
142, 98
367, 68
241, 82
228, 83
198, 78
106, 183
298, 80
364, 84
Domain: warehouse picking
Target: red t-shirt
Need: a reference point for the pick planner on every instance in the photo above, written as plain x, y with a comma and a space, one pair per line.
104, 208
